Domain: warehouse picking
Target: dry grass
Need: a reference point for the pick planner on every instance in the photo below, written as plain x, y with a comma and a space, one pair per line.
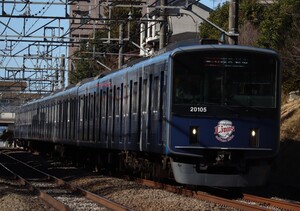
290, 121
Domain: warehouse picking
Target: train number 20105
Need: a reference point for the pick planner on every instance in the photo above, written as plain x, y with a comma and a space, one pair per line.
196, 109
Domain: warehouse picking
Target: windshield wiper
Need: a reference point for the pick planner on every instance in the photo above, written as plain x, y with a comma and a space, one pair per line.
238, 103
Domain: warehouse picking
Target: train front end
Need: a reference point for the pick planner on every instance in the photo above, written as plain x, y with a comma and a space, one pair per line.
223, 123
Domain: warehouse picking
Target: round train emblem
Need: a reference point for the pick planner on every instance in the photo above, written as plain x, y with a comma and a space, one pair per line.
224, 131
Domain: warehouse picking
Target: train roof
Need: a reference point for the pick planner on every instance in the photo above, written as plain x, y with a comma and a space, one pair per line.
163, 54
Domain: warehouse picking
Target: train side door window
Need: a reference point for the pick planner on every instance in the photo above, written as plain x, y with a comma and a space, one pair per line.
110, 103
68, 123
103, 105
59, 118
144, 96
99, 109
81, 117
155, 94
86, 117
93, 115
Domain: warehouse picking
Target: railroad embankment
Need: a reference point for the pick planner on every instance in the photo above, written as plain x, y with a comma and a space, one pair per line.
286, 170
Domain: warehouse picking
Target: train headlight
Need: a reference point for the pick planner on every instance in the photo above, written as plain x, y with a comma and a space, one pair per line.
254, 137
194, 134
194, 131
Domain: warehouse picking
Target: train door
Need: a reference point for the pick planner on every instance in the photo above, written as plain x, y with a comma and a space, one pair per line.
55, 115
118, 115
104, 116
157, 105
135, 120
81, 118
145, 112
74, 119
132, 93
65, 118
68, 118
47, 118
60, 119
43, 121
125, 111
71, 119
52, 119
74, 127
110, 117
92, 117
99, 114
86, 117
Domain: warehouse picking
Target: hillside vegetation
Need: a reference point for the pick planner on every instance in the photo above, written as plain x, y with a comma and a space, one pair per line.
290, 121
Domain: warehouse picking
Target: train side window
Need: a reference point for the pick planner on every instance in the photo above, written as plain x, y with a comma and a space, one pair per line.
103, 107
162, 93
155, 94
90, 111
68, 118
92, 105
117, 102
135, 98
86, 107
145, 96
81, 105
54, 112
110, 103
58, 114
130, 98
121, 99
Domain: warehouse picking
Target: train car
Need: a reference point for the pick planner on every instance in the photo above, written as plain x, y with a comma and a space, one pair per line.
210, 111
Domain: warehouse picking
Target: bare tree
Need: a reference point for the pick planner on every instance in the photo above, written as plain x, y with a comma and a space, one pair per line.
291, 57
248, 34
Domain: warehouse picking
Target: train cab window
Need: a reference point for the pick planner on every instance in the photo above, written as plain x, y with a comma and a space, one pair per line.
236, 79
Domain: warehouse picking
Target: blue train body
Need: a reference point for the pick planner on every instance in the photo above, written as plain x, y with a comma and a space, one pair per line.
211, 110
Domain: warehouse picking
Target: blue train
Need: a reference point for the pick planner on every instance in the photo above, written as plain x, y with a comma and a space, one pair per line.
202, 114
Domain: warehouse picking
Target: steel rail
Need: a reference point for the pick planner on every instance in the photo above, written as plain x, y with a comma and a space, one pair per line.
89, 195
272, 202
42, 195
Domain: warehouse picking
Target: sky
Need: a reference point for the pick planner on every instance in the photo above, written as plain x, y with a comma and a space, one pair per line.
33, 28
212, 3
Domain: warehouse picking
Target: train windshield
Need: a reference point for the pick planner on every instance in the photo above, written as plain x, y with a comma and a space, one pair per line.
224, 78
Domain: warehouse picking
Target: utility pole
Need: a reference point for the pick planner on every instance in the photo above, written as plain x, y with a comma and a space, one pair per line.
62, 70
121, 43
233, 21
163, 18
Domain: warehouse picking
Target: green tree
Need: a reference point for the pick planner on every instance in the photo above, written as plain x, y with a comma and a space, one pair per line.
280, 31
218, 17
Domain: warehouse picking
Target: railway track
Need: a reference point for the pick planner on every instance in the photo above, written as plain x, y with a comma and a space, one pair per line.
54, 191
246, 202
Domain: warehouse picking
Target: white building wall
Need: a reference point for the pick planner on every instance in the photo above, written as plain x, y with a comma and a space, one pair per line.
188, 23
